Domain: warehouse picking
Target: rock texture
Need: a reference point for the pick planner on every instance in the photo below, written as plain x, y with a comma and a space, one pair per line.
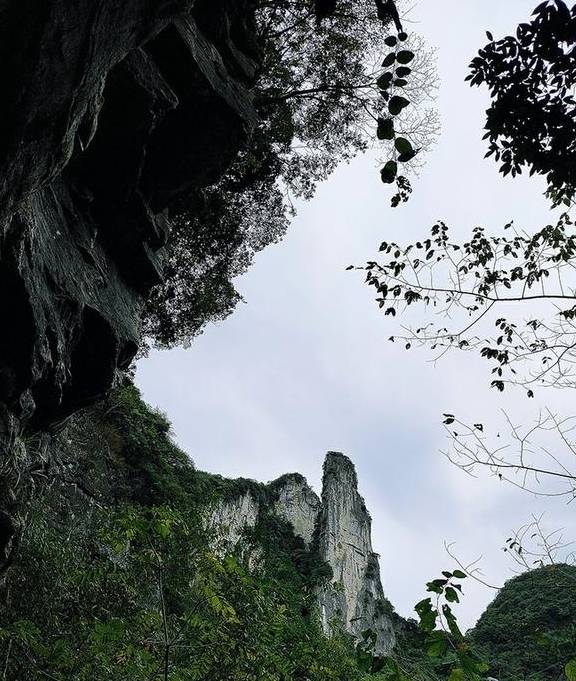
111, 112
355, 596
338, 528
298, 504
229, 520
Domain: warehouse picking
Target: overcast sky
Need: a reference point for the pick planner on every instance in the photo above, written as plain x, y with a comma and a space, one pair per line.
304, 366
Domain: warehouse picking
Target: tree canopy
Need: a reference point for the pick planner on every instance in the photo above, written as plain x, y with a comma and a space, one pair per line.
539, 607
531, 122
319, 100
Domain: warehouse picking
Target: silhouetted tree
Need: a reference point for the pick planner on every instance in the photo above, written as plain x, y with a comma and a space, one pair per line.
320, 97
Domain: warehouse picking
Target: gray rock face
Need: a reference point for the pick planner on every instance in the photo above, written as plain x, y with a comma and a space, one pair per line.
354, 597
229, 520
111, 112
338, 527
299, 505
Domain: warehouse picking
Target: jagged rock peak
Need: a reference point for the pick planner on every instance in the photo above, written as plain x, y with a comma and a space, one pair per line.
339, 467
355, 597
338, 528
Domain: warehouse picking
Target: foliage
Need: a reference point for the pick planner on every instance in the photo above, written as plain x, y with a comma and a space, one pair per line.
158, 470
444, 640
510, 298
318, 103
529, 630
391, 82
212, 240
148, 600
467, 284
124, 584
531, 121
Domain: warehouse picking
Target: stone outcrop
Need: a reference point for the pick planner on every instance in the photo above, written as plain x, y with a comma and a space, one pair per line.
354, 596
297, 503
229, 520
338, 528
111, 112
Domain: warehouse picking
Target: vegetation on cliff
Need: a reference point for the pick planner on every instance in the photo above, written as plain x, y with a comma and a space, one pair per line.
116, 578
319, 99
529, 630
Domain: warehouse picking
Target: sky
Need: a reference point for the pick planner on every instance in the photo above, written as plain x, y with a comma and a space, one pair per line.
304, 367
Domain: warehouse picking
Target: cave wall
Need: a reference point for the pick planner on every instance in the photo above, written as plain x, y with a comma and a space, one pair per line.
111, 112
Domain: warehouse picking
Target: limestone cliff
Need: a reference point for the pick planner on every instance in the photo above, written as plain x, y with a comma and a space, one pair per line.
297, 503
355, 595
111, 112
338, 528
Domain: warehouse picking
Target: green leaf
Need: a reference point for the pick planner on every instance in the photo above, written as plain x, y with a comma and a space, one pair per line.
404, 158
436, 644
400, 82
388, 172
402, 36
427, 614
402, 145
457, 674
570, 670
396, 104
384, 80
452, 623
385, 130
451, 595
436, 585
403, 71
459, 574
391, 40
405, 56
389, 59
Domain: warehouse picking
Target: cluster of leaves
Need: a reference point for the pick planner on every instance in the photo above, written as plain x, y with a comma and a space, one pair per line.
213, 239
392, 81
444, 640
539, 606
531, 121
467, 284
157, 471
